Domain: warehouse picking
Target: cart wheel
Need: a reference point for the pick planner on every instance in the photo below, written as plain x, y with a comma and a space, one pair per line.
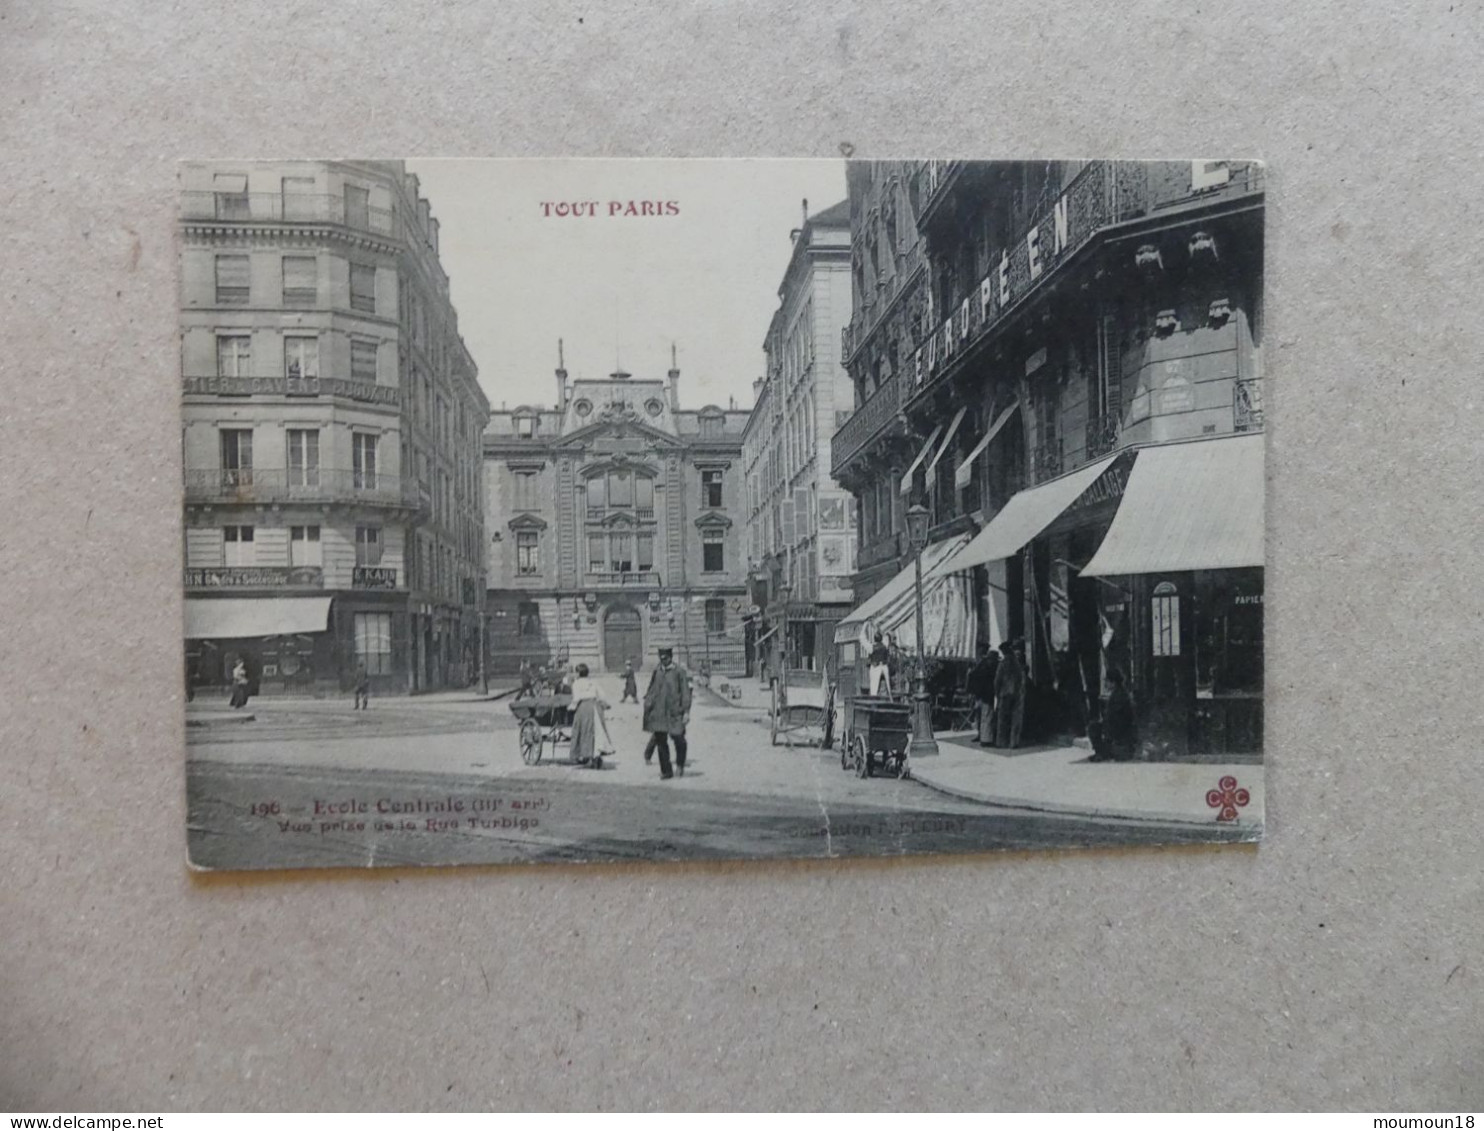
530, 742
862, 758
845, 752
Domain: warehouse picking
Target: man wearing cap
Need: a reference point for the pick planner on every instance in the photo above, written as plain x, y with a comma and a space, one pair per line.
667, 711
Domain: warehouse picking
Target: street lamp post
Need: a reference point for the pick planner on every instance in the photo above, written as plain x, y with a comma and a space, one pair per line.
784, 592
923, 743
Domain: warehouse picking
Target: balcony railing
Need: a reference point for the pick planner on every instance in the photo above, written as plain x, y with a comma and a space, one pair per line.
1247, 405
1046, 461
299, 485
636, 578
367, 391
286, 208
885, 547
867, 422
640, 514
875, 307
1103, 432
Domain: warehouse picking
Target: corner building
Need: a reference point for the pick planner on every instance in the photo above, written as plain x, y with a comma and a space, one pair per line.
331, 441
615, 520
1071, 383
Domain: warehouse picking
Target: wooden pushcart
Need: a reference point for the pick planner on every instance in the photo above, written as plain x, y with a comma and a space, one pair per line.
877, 733
546, 720
800, 705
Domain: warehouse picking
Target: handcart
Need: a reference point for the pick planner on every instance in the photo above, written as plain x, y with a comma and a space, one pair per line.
546, 720
800, 708
878, 730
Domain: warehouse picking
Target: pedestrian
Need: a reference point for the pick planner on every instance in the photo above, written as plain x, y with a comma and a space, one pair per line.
981, 687
239, 683
667, 711
1009, 697
894, 658
527, 680
587, 716
363, 688
880, 671
1120, 727
630, 684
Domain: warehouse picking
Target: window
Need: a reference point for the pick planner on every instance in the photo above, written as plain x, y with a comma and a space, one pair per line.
232, 280
716, 615
297, 197
622, 558
304, 547
711, 489
303, 445
233, 355
620, 489
525, 491
363, 360
231, 196
525, 426
363, 287
357, 206
368, 545
239, 546
300, 358
713, 552
374, 642
527, 553
300, 280
710, 427
528, 618
597, 554
236, 457
363, 461
645, 544
644, 493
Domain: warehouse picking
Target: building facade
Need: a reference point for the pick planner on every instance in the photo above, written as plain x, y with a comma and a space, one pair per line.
800, 529
615, 520
332, 427
1074, 383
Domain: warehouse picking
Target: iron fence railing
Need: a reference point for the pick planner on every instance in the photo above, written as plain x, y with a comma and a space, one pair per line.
867, 422
298, 485
287, 207
1103, 432
1046, 461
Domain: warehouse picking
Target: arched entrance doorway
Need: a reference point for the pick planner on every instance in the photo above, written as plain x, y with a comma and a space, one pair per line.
623, 638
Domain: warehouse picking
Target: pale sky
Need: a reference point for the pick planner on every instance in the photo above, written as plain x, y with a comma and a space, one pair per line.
620, 286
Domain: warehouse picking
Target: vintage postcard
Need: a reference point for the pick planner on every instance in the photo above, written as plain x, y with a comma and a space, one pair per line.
660, 510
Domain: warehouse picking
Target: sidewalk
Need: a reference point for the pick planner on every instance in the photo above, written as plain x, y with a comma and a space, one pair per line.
740, 691
1061, 780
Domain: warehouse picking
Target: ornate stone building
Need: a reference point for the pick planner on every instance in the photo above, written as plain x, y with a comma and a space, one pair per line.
331, 440
615, 520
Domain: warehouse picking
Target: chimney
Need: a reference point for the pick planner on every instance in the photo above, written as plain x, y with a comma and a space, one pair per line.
561, 378
674, 376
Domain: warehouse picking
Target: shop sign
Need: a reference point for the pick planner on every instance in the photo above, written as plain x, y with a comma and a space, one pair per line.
374, 577
255, 577
1106, 487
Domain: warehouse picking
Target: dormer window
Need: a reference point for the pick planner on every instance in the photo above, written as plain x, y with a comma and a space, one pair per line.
712, 424
525, 425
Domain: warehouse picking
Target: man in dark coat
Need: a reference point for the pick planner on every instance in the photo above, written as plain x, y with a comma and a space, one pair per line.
667, 711
1009, 697
1119, 724
981, 687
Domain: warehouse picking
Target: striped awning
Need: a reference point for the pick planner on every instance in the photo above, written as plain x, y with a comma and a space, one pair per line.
1196, 505
906, 487
878, 606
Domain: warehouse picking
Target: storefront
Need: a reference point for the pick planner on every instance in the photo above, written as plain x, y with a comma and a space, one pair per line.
285, 643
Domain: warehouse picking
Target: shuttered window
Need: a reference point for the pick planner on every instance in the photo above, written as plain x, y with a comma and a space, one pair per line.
232, 280
363, 288
362, 360
300, 280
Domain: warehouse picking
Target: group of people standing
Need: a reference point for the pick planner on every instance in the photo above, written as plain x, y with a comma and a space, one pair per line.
667, 703
999, 681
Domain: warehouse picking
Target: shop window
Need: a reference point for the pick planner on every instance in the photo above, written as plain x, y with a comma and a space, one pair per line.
374, 642
304, 546
528, 619
239, 548
1229, 633
1165, 620
527, 553
232, 280
368, 545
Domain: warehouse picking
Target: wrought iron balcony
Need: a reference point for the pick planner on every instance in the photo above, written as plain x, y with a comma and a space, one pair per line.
1046, 461
287, 208
299, 485
1247, 405
638, 514
880, 412
367, 391
883, 548
628, 578
1103, 432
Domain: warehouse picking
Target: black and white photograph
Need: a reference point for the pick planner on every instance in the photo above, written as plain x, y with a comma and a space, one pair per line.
653, 510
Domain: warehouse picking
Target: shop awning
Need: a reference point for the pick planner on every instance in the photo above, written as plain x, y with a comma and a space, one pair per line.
922, 455
1197, 505
1026, 514
965, 471
235, 618
958, 418
896, 589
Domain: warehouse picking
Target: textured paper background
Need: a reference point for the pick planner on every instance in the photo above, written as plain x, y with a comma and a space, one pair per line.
1337, 966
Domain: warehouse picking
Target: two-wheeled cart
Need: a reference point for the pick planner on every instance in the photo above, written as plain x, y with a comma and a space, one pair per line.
546, 722
878, 730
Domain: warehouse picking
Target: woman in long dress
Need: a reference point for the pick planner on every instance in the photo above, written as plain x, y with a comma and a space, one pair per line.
587, 718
